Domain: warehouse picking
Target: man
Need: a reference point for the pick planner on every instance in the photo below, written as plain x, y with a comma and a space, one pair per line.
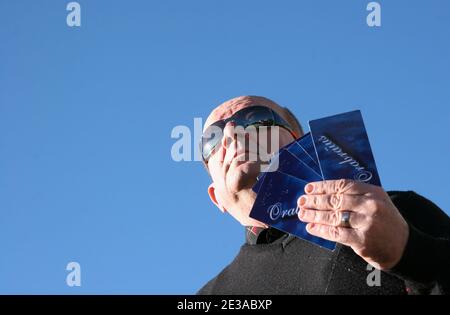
401, 233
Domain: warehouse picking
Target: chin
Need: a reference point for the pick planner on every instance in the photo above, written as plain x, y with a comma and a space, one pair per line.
242, 176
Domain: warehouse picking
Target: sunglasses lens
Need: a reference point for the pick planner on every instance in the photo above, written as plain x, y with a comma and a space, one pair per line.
257, 115
211, 138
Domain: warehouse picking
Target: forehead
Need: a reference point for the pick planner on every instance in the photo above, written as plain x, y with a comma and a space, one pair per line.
230, 107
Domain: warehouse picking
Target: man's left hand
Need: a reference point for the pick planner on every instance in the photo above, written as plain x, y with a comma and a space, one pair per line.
375, 229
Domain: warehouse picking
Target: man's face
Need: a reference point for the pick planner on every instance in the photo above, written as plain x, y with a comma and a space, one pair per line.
233, 166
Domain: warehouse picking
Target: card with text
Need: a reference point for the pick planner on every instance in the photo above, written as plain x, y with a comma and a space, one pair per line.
337, 147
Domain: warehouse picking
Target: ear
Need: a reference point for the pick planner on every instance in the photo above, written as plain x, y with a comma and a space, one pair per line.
212, 195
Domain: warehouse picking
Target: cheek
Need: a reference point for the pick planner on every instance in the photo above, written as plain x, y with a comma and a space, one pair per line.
285, 137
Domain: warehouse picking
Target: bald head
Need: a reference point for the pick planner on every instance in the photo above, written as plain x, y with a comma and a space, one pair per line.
230, 107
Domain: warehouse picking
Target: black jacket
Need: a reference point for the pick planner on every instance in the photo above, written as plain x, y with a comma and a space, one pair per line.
284, 264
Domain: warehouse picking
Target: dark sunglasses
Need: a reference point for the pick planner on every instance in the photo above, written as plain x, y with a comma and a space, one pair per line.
250, 116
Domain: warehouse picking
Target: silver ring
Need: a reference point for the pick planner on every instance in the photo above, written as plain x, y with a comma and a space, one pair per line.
345, 219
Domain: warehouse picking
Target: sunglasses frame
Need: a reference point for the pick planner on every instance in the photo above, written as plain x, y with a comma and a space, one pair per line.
237, 118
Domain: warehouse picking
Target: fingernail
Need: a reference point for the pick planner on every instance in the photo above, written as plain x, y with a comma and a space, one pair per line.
302, 201
309, 188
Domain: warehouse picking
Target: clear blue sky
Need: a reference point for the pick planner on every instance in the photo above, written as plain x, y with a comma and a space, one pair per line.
86, 116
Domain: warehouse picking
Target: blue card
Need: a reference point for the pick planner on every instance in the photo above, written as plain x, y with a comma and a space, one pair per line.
306, 142
337, 147
259, 182
287, 163
276, 205
343, 148
298, 152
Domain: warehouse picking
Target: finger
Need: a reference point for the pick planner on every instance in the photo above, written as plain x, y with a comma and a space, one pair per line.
340, 186
338, 202
331, 218
346, 236
229, 145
